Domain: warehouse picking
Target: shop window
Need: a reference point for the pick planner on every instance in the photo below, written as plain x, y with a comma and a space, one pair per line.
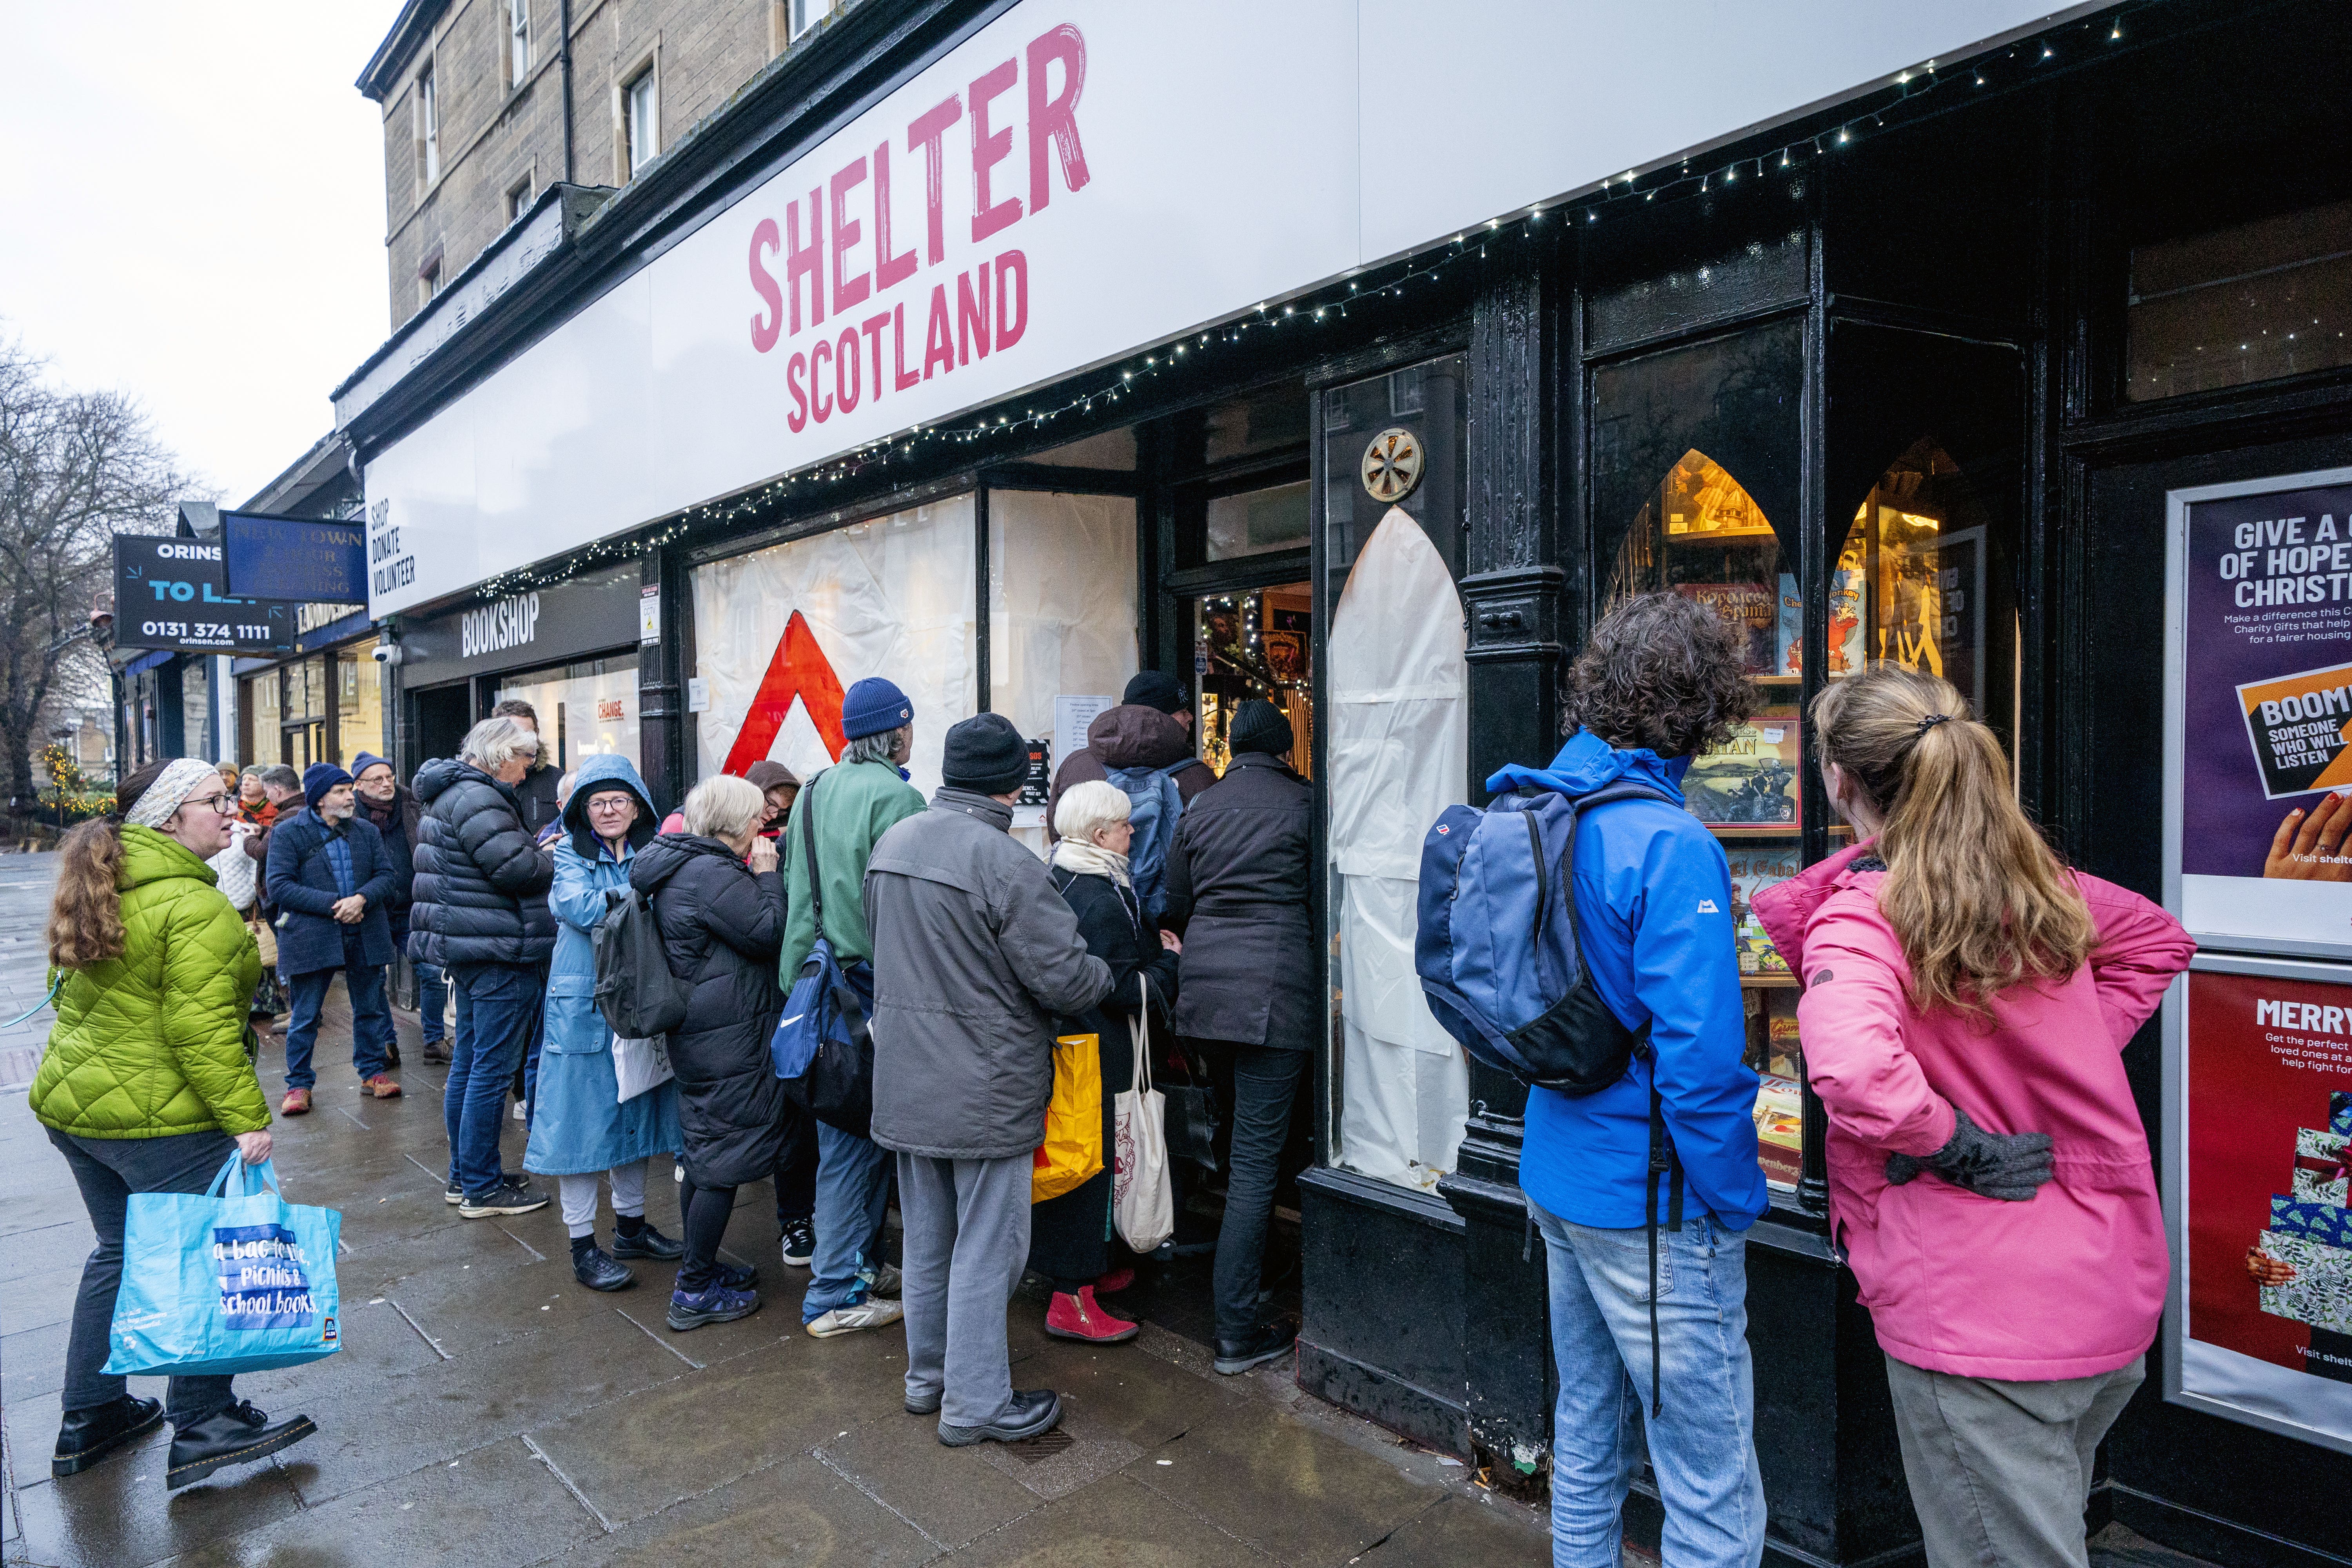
1266, 420
587, 707
1254, 522
359, 704
1395, 747
196, 706
781, 632
1913, 579
2236, 306
1258, 643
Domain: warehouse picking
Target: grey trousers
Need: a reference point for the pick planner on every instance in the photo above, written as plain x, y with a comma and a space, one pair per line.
965, 1244
2001, 1471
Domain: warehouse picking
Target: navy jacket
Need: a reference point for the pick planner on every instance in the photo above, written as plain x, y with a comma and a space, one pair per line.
301, 883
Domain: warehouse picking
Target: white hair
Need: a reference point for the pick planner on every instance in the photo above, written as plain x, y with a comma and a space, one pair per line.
1087, 808
496, 742
723, 807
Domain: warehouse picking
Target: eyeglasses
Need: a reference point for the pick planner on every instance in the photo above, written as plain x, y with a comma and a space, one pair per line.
222, 805
612, 803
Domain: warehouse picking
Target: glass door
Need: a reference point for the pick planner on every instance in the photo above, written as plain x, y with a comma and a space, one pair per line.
1253, 642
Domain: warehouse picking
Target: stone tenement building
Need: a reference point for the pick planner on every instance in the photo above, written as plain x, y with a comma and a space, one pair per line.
488, 102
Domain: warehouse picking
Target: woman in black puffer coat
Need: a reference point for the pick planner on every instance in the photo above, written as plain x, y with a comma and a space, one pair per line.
721, 922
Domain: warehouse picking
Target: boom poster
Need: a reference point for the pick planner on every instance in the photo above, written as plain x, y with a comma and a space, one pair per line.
2262, 713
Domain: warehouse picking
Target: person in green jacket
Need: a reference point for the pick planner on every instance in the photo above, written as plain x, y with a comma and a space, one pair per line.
148, 1086
847, 808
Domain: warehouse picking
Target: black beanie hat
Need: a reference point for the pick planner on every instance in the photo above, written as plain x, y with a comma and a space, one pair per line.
985, 755
1259, 726
1154, 688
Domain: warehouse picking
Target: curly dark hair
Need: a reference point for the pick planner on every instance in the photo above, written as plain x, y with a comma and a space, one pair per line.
1660, 671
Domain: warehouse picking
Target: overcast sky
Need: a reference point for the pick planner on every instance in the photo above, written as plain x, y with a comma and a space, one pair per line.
193, 214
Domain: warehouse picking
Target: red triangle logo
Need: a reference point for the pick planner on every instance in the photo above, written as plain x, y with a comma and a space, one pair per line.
798, 669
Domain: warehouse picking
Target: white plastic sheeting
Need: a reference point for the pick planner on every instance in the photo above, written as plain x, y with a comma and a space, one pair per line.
892, 597
1398, 752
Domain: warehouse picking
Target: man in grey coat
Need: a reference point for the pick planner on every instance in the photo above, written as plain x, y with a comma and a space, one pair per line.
975, 954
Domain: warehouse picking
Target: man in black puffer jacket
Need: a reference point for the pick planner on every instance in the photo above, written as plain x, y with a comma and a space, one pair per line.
480, 913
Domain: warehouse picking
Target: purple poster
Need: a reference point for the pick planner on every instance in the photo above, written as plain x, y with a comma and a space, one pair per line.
2262, 709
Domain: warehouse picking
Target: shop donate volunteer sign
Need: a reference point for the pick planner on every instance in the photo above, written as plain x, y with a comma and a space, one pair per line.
1071, 184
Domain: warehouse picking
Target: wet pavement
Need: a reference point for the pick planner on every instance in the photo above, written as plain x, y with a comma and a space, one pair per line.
486, 1409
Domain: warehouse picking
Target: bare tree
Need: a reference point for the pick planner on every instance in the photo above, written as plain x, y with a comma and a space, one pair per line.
75, 469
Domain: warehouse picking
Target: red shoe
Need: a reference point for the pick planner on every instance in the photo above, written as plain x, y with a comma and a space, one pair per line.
296, 1103
1112, 1283
1079, 1318
380, 1086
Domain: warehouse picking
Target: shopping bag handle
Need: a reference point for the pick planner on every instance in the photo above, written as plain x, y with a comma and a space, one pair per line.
259, 1179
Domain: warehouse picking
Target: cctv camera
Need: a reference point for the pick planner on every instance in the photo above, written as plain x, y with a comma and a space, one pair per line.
386, 653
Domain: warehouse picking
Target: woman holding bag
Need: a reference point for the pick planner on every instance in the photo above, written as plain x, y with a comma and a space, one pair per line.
1069, 1234
580, 1125
147, 1086
1967, 1000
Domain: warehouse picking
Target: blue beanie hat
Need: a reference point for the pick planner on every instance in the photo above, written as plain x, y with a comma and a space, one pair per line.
872, 706
319, 778
365, 761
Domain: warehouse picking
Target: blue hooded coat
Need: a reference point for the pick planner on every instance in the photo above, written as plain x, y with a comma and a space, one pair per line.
579, 1123
1653, 918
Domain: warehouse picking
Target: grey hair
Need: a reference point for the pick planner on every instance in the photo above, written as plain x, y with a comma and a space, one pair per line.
566, 784
278, 775
496, 742
722, 806
876, 748
1087, 808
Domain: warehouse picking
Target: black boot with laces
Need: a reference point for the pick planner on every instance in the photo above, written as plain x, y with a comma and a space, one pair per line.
233, 1434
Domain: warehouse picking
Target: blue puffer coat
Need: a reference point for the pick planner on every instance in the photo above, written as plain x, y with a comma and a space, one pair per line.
1653, 920
579, 1123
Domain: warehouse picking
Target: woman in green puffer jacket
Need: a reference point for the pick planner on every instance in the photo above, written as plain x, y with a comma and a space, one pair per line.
147, 1087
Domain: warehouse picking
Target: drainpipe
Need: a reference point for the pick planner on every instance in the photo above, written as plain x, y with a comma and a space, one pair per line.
563, 55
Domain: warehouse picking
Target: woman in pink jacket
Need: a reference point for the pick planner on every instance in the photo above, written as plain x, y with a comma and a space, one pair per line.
1967, 1000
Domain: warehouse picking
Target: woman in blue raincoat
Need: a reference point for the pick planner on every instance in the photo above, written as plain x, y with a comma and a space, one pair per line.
580, 1125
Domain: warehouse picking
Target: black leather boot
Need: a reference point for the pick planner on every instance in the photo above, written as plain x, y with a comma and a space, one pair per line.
90, 1435
233, 1434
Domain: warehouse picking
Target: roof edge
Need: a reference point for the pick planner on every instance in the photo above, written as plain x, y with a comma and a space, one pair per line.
416, 20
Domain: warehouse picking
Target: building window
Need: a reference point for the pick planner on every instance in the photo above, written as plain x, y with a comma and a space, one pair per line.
2241, 305
640, 121
429, 279
518, 41
788, 19
428, 130
519, 199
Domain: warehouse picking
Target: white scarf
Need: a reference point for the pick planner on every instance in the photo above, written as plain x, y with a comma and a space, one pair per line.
1091, 860
171, 787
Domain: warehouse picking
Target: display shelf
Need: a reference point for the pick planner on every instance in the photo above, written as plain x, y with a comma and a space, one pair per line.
1767, 983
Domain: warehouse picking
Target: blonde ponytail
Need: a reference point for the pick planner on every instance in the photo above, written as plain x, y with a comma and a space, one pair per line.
1977, 898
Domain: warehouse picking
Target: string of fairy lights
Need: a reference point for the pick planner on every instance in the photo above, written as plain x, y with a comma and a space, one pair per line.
1378, 288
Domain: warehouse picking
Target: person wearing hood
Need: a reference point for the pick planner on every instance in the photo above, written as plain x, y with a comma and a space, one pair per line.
328, 875
392, 808
720, 903
580, 1125
481, 914
782, 786
1662, 678
1150, 728
1237, 896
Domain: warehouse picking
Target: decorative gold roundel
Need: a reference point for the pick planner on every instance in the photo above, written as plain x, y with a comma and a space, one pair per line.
1392, 464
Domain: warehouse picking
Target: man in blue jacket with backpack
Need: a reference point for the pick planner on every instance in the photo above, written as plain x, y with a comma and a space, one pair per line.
1662, 680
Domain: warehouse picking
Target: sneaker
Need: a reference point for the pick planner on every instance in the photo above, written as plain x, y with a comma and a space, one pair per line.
883, 1279
296, 1103
88, 1434
868, 1314
1030, 1413
594, 1268
454, 1193
436, 1053
735, 1276
1077, 1317
380, 1086
647, 1243
702, 1308
1267, 1343
923, 1403
511, 1196
800, 1243
522, 1111
234, 1435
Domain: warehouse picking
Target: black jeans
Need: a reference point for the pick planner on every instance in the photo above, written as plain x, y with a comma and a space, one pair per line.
1266, 1083
796, 1167
704, 1213
108, 1171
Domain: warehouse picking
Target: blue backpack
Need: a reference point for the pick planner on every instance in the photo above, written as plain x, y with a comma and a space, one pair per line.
1154, 806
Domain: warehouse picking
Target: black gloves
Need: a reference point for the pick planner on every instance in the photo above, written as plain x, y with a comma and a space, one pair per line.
2004, 1165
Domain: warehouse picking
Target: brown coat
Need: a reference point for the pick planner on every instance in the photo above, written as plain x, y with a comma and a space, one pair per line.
1131, 736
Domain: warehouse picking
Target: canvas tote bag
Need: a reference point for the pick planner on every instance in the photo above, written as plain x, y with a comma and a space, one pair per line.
1142, 1202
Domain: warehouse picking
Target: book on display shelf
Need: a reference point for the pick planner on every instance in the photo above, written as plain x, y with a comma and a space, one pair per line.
1748, 783
1749, 608
1753, 871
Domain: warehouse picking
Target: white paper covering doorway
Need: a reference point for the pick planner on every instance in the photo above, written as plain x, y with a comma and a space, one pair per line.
1398, 754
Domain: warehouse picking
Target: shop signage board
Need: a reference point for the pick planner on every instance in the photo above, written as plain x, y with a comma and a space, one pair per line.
2258, 1092
173, 593
2259, 714
295, 557
1076, 180
596, 612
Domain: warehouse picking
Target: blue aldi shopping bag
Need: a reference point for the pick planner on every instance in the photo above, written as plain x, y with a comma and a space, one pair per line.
236, 1280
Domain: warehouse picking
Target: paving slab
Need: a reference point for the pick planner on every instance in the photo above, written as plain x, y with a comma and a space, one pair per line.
119, 1513
951, 1495
1114, 1522
1455, 1530
795, 1513
33, 1363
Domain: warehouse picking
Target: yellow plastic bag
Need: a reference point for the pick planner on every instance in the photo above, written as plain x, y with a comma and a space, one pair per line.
1072, 1152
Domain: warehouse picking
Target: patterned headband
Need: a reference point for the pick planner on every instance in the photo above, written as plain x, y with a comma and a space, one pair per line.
171, 788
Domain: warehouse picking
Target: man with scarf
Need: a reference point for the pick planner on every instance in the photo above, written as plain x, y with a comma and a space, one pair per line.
329, 876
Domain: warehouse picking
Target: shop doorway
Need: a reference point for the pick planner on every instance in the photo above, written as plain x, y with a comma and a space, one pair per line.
438, 719
1253, 642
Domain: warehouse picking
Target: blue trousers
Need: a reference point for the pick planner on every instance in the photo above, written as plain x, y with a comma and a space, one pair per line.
1702, 1444
371, 1035
497, 1008
432, 1000
853, 1183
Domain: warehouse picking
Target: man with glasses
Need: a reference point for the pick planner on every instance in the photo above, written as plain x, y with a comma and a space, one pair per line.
329, 878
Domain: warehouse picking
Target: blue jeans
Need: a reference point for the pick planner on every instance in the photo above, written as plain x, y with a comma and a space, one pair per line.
372, 1037
1701, 1445
853, 1183
431, 1001
498, 1005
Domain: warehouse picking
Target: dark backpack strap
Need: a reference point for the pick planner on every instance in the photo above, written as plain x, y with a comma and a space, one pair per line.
806, 805
1666, 1161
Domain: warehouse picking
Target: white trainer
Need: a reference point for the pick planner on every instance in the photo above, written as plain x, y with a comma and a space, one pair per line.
873, 1313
